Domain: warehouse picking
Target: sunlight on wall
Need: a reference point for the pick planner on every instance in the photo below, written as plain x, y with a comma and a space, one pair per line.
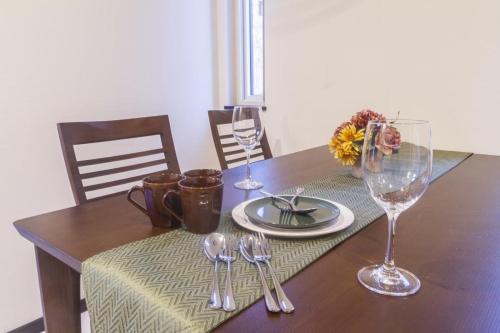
434, 60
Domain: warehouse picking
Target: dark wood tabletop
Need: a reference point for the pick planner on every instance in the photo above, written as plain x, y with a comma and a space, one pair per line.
450, 239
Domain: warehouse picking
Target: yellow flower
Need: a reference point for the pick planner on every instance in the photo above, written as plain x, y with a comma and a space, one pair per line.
346, 146
350, 133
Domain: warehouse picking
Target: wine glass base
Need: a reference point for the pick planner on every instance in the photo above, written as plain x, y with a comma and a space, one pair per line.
398, 282
247, 184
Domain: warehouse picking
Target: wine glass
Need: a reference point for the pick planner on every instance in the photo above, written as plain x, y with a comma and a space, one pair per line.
248, 130
397, 166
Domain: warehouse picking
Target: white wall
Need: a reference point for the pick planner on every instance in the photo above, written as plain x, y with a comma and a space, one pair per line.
435, 60
325, 59
84, 60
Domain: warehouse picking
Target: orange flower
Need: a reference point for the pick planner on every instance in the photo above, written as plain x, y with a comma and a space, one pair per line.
346, 145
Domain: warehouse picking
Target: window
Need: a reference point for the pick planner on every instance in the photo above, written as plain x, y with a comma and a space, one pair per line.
252, 62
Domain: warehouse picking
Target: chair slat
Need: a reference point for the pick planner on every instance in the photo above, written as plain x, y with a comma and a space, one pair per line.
244, 129
244, 158
232, 144
122, 169
240, 151
229, 136
106, 196
118, 182
119, 157
226, 136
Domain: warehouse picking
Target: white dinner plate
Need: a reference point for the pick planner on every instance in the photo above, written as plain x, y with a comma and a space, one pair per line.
345, 219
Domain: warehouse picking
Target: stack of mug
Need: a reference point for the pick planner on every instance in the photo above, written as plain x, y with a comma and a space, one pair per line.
192, 199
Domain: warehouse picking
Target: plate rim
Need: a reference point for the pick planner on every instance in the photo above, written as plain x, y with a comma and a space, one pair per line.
346, 215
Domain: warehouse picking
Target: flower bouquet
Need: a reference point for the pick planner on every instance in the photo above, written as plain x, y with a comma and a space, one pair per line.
347, 141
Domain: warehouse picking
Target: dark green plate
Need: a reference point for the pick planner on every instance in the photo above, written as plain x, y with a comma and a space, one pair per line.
264, 212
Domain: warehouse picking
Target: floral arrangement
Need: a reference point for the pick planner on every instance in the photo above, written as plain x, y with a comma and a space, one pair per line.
348, 138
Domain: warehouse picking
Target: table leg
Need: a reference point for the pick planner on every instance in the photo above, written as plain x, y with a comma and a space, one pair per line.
60, 292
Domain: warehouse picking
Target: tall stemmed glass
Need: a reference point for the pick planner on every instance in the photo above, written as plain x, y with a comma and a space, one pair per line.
248, 130
397, 166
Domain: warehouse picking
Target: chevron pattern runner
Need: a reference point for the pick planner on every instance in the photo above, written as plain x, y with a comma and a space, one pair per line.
162, 284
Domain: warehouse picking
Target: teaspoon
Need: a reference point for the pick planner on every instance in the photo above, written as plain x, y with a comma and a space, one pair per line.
212, 247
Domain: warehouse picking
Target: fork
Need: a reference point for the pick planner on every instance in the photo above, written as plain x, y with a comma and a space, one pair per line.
298, 191
265, 256
227, 257
280, 202
268, 297
288, 206
286, 217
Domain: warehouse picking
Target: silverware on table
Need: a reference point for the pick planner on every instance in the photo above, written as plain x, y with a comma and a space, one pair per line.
282, 200
286, 205
247, 246
286, 217
263, 253
298, 191
228, 257
212, 247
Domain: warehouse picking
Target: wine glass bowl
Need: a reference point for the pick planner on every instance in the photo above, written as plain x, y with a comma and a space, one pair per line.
397, 167
248, 130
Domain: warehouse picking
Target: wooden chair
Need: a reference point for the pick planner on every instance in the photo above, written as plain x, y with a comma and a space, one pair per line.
78, 133
226, 146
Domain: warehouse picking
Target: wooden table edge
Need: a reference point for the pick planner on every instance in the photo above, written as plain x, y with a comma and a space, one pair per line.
50, 249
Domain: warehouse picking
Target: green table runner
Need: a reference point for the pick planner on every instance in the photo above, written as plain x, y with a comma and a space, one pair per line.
162, 284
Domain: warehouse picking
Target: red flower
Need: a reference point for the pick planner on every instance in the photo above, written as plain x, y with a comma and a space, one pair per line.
360, 119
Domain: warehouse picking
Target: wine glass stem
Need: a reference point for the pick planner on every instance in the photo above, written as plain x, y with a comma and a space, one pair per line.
248, 177
391, 228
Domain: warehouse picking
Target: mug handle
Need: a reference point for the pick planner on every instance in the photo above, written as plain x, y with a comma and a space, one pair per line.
164, 202
135, 203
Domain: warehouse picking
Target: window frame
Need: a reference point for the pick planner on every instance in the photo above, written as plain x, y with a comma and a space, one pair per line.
243, 40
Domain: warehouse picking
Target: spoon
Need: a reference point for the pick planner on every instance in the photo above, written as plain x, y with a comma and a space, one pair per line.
212, 247
247, 253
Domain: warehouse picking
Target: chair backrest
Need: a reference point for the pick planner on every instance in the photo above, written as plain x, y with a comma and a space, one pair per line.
112, 173
229, 152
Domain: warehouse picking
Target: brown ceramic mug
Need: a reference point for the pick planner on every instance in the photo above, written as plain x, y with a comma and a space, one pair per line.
201, 200
203, 173
154, 188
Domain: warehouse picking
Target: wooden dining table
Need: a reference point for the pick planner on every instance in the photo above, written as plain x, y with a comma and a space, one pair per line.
450, 239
